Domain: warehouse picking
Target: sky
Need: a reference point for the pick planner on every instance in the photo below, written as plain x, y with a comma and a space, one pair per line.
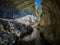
38, 2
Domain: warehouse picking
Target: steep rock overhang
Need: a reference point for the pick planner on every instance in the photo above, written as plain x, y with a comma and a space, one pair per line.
17, 5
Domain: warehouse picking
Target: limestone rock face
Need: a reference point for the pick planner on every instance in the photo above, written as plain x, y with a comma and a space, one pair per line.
50, 20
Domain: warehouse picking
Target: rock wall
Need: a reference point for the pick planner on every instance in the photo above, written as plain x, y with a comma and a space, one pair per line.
20, 4
50, 21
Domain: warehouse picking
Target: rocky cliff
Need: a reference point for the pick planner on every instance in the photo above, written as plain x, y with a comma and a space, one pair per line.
50, 21
50, 18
